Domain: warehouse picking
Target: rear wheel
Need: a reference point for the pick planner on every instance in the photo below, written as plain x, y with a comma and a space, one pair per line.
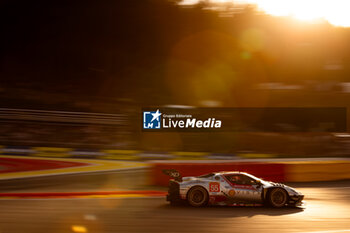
197, 196
278, 197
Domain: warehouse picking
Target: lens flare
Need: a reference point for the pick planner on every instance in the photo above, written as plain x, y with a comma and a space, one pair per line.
333, 11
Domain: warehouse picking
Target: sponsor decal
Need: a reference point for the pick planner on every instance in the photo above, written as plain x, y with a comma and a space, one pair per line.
217, 198
174, 174
231, 193
212, 199
240, 186
214, 187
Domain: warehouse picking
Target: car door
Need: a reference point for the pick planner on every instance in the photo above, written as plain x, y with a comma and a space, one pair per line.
243, 188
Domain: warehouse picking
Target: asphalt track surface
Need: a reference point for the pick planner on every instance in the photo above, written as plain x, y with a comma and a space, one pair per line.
327, 210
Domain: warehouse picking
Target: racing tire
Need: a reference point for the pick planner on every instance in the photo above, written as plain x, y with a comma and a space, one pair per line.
197, 196
277, 197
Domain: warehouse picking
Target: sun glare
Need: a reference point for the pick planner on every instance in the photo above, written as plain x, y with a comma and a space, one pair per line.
335, 12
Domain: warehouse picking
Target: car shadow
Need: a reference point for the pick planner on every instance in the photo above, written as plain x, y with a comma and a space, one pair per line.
229, 211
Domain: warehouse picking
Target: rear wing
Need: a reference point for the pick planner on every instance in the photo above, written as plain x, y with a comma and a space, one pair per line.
173, 174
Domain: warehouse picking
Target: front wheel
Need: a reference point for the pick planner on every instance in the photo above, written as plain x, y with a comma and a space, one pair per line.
197, 196
278, 197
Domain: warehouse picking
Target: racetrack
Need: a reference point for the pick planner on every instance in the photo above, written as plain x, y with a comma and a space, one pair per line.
327, 210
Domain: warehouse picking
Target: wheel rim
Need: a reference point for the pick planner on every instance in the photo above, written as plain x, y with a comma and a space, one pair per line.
279, 198
197, 196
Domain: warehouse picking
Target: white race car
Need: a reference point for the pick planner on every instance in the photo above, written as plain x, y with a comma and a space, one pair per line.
229, 188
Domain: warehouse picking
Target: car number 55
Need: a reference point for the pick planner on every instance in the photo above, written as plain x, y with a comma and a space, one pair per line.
214, 187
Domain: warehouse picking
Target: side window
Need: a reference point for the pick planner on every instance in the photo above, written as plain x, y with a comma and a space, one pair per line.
247, 180
240, 179
234, 179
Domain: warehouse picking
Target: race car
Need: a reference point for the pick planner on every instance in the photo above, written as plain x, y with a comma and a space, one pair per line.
229, 188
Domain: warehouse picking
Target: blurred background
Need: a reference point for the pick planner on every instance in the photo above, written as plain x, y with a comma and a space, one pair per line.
76, 74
